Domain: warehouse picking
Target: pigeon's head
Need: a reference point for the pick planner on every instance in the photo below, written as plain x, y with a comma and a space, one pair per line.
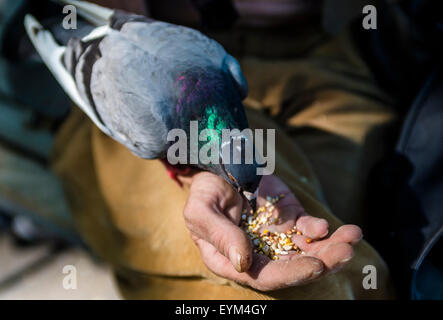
210, 109
239, 165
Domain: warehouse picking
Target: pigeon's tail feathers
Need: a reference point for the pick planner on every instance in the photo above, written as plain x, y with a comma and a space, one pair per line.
52, 55
93, 13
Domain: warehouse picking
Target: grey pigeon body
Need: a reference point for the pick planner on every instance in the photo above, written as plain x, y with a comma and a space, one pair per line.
129, 77
137, 79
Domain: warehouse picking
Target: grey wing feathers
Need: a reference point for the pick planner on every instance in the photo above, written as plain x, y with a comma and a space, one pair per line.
121, 73
178, 44
160, 37
111, 80
129, 88
173, 42
52, 54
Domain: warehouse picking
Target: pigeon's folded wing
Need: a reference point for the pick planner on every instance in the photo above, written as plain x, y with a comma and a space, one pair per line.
182, 45
132, 92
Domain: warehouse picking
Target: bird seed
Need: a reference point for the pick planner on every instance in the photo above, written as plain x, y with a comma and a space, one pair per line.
270, 244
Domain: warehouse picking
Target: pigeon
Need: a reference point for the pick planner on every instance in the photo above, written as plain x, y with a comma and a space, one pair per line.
137, 79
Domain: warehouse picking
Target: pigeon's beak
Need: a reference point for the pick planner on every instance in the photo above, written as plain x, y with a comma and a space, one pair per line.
251, 198
242, 176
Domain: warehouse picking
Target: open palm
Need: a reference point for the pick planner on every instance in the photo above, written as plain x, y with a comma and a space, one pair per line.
213, 213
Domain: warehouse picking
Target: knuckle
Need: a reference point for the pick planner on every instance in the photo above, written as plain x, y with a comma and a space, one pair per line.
191, 222
187, 214
187, 210
220, 241
195, 239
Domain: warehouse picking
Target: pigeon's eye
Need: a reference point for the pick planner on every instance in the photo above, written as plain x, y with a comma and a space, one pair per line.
136, 144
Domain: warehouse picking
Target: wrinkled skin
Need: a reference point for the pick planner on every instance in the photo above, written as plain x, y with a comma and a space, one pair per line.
213, 213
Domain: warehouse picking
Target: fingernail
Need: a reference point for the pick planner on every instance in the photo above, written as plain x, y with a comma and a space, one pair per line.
316, 274
236, 258
319, 271
346, 260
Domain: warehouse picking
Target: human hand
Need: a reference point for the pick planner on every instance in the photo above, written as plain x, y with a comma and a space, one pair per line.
213, 213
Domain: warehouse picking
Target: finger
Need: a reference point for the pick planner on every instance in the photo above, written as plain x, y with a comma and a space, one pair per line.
264, 274
347, 233
304, 242
351, 234
221, 196
206, 223
282, 219
336, 255
312, 227
289, 210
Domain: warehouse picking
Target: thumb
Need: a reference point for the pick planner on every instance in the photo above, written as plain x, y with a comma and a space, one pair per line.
206, 223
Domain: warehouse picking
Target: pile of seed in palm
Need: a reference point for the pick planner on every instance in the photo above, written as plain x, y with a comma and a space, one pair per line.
270, 244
